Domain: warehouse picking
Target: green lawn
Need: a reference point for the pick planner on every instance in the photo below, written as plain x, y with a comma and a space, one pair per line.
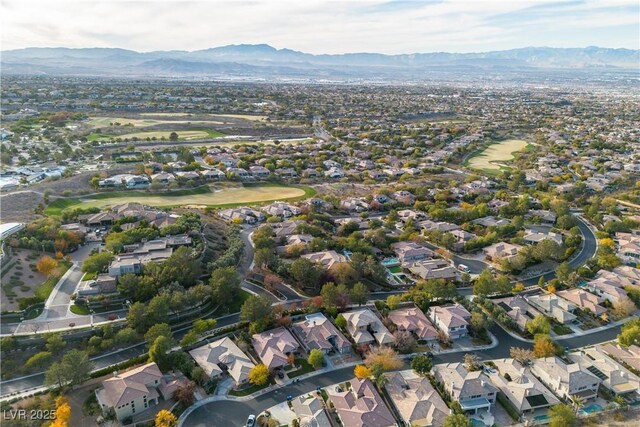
304, 368
491, 159
247, 194
79, 309
89, 276
44, 289
183, 135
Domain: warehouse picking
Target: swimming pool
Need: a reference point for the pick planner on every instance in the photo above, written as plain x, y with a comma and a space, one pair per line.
389, 262
591, 409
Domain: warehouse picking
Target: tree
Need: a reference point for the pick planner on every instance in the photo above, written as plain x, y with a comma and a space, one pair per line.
471, 361
184, 393
422, 364
405, 342
361, 371
181, 267
630, 333
55, 343
137, 317
547, 249
316, 358
477, 322
38, 360
189, 338
159, 352
199, 375
386, 357
165, 418
623, 307
8, 344
159, 330
173, 136
63, 412
577, 402
46, 265
125, 336
562, 416
393, 301
55, 375
255, 308
484, 284
306, 272
457, 420
201, 326
359, 293
522, 355
563, 271
341, 322
539, 325
98, 262
77, 366
543, 346
343, 273
259, 375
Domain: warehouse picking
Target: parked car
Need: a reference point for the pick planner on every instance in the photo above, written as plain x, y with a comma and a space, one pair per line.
251, 421
280, 374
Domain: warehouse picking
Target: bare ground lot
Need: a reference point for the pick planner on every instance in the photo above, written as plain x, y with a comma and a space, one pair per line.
20, 279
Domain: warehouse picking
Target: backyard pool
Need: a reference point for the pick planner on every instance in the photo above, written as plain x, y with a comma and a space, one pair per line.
390, 262
591, 409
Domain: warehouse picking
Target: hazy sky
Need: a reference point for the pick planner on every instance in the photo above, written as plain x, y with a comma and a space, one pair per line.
321, 26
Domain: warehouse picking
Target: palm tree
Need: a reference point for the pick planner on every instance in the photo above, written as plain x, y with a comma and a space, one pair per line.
577, 401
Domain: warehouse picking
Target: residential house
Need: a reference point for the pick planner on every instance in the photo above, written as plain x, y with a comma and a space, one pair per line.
628, 356
608, 286
326, 258
533, 237
566, 379
491, 221
361, 405
412, 320
222, 356
243, 215
584, 300
501, 251
411, 252
274, 347
472, 390
628, 248
354, 204
453, 319
546, 217
443, 226
615, 377
317, 332
366, 328
134, 391
239, 173
520, 387
281, 209
404, 197
259, 171
552, 306
518, 309
415, 399
310, 411
433, 269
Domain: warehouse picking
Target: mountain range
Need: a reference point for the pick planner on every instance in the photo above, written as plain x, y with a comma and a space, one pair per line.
264, 61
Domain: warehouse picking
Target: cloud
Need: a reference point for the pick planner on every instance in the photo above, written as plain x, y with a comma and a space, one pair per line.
317, 26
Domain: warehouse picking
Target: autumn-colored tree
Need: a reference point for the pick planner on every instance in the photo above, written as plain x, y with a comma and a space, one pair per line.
259, 374
46, 265
63, 412
59, 255
165, 418
543, 346
518, 287
551, 289
361, 371
291, 359
383, 356
522, 355
184, 393
623, 308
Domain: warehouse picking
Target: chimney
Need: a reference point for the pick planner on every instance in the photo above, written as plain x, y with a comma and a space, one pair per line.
482, 383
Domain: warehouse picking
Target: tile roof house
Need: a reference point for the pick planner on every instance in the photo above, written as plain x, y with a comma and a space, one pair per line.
134, 391
615, 377
413, 320
633, 274
501, 250
610, 289
415, 399
564, 379
361, 405
310, 411
366, 328
410, 251
327, 258
584, 300
523, 390
274, 346
549, 304
316, 331
517, 309
630, 356
450, 319
532, 236
223, 355
472, 390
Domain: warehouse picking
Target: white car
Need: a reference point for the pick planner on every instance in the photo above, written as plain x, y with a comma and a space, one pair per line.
251, 421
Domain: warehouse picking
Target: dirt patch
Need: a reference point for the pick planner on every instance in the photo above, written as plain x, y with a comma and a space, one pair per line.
20, 206
20, 278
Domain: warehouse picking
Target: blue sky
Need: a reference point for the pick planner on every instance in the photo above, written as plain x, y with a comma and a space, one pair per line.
321, 26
